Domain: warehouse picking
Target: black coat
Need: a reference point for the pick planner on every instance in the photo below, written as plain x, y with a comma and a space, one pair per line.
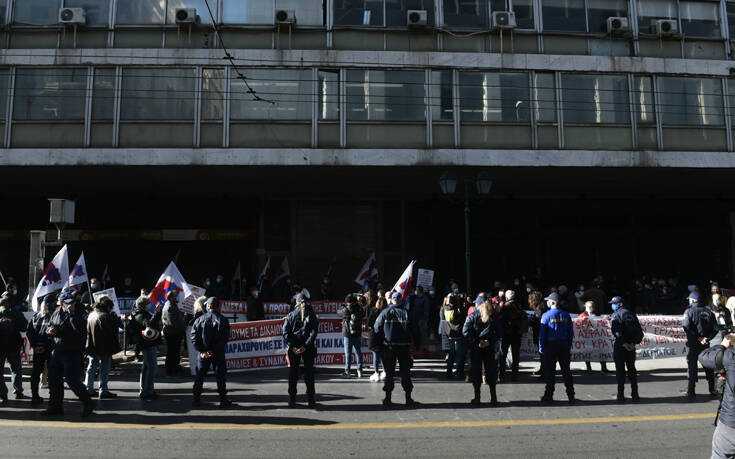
351, 313
71, 329
301, 333
255, 309
102, 334
145, 319
210, 333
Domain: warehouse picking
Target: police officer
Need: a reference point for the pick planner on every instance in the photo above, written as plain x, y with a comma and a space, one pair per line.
41, 343
555, 343
300, 331
700, 326
482, 329
721, 358
396, 329
68, 327
209, 334
627, 332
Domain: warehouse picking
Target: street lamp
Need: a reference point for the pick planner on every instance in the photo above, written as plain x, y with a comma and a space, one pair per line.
483, 185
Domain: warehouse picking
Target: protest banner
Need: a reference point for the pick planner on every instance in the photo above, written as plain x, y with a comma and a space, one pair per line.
425, 278
109, 293
278, 310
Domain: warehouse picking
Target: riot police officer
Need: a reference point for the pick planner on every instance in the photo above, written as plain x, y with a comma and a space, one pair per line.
300, 330
209, 334
556, 335
627, 332
700, 326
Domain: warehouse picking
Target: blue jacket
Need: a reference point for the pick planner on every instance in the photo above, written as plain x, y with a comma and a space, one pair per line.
619, 330
210, 333
395, 327
297, 332
556, 325
475, 330
708, 359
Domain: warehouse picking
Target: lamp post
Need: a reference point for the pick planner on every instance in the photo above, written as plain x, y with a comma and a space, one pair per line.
448, 185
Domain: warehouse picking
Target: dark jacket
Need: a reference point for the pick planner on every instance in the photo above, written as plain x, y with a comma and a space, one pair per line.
19, 323
514, 318
301, 333
173, 319
708, 359
210, 333
421, 306
351, 314
255, 309
475, 329
374, 340
36, 330
145, 319
458, 316
71, 329
624, 334
395, 327
695, 319
102, 334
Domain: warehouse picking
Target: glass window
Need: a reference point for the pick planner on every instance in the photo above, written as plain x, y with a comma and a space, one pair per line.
140, 12
492, 96
466, 13
157, 94
328, 94
731, 94
358, 12
3, 10
442, 102
37, 11
213, 90
595, 99
56, 94
200, 5
96, 11
599, 10
248, 11
643, 100
524, 14
4, 82
700, 19
396, 11
103, 95
544, 93
377, 95
564, 15
731, 18
691, 101
651, 10
289, 90
308, 12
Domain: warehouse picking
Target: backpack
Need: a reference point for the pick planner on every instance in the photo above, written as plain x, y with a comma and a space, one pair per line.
705, 323
633, 329
8, 333
132, 330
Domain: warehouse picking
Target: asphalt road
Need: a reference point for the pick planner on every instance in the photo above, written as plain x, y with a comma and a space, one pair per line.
350, 422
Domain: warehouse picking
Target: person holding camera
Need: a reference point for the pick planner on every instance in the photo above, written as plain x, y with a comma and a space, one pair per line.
102, 344
352, 314
628, 333
721, 359
483, 334
148, 339
300, 330
700, 326
67, 328
210, 334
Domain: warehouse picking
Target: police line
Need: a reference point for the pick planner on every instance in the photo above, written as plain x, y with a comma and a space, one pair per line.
260, 345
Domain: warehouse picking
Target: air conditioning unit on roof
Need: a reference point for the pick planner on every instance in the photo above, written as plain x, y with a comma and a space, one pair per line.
72, 16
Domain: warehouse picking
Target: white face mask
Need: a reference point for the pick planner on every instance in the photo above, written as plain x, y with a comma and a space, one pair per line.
528, 290
589, 311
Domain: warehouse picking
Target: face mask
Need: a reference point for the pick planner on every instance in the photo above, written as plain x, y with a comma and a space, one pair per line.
219, 281
528, 290
548, 303
94, 286
718, 302
589, 311
456, 290
581, 288
615, 307
254, 294
207, 284
431, 292
15, 292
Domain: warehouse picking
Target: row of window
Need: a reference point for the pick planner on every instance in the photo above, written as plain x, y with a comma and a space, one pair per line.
696, 18
172, 94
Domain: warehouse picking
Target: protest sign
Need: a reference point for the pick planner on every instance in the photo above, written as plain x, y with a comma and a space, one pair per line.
425, 278
187, 305
109, 293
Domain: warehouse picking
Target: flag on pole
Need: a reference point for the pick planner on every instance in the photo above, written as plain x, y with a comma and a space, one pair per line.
78, 274
266, 272
237, 275
368, 271
403, 286
283, 271
170, 280
53, 277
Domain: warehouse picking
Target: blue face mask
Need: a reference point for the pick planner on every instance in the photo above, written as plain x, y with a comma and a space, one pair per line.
615, 306
548, 303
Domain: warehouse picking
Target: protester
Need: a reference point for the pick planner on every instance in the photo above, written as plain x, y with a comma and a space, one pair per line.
102, 344
95, 286
127, 290
375, 340
174, 329
555, 342
300, 329
590, 310
352, 314
596, 294
628, 333
199, 308
148, 341
721, 358
220, 289
422, 309
209, 335
41, 342
454, 315
397, 332
67, 326
514, 323
254, 306
483, 338
700, 326
538, 306
12, 323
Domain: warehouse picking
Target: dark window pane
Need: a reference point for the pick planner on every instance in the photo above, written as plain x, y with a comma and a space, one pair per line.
442, 102
248, 11
466, 13
544, 93
37, 11
396, 11
56, 94
599, 10
595, 99
103, 94
731, 18
140, 12
524, 14
377, 95
358, 12
158, 94
700, 19
564, 15
651, 10
96, 11
691, 101
4, 82
494, 97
